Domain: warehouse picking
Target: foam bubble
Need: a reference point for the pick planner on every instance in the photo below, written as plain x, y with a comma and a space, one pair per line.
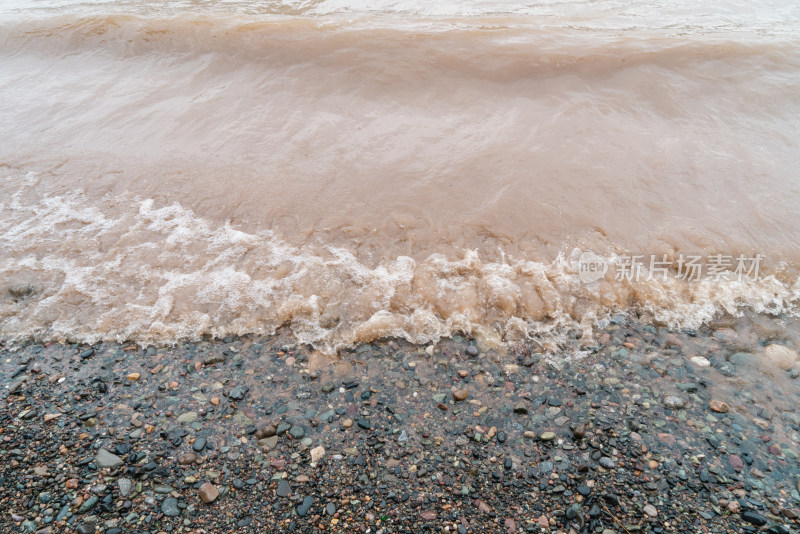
131, 269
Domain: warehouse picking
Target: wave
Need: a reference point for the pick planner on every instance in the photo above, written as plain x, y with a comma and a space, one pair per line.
296, 37
161, 274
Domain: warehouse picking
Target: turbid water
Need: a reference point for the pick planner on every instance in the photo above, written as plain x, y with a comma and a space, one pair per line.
359, 170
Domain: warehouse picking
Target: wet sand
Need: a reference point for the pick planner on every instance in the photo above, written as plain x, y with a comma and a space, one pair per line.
638, 430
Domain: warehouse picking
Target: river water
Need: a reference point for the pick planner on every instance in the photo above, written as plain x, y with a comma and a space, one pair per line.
354, 170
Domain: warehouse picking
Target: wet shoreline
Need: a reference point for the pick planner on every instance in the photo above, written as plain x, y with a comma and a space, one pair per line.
640, 429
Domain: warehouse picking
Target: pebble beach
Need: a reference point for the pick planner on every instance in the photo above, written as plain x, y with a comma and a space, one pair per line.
640, 429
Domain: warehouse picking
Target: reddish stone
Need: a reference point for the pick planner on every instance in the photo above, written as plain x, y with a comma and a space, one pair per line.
277, 463
736, 462
482, 506
460, 395
667, 439
208, 492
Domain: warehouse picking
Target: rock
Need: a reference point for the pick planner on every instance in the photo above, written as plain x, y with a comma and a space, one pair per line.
283, 489
125, 486
238, 393
133, 377
106, 460
85, 528
364, 423
460, 395
208, 492
297, 432
317, 454
547, 436
163, 489
187, 458
650, 510
780, 355
305, 506
607, 462
212, 359
742, 359
16, 385
187, 417
554, 402
699, 361
170, 507
428, 515
199, 444
521, 408
754, 518
330, 508
718, 406
736, 462
482, 506
666, 438
88, 504
268, 443
572, 511
265, 432
674, 403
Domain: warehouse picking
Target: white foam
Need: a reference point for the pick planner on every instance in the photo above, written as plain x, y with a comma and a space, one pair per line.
129, 269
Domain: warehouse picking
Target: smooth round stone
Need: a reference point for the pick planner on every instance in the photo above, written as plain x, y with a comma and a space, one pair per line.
283, 489
305, 506
607, 462
547, 436
297, 432
573, 510
170, 507
674, 403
